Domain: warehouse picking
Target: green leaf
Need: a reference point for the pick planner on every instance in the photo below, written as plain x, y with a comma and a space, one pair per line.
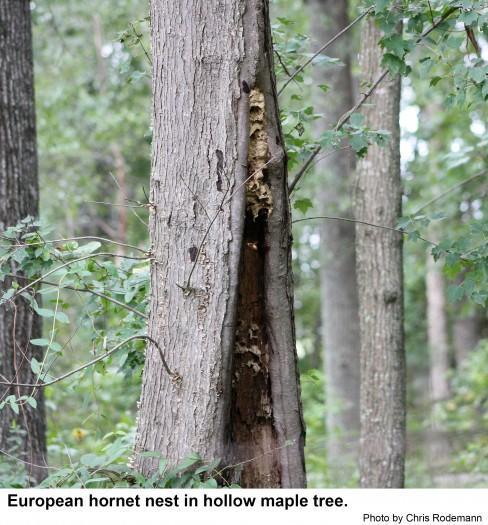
44, 312
477, 74
395, 65
87, 249
381, 5
13, 404
359, 143
35, 366
356, 120
396, 45
303, 205
62, 317
39, 342
6, 296
31, 401
455, 293
91, 460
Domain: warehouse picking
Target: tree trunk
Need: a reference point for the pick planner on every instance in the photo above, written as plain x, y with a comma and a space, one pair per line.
222, 301
380, 281
437, 332
339, 300
438, 442
22, 435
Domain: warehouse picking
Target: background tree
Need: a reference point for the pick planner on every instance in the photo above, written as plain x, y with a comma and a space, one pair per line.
377, 201
22, 429
339, 300
221, 305
96, 308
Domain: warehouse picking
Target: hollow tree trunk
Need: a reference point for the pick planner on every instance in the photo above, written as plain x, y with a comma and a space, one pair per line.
339, 299
380, 282
22, 435
222, 301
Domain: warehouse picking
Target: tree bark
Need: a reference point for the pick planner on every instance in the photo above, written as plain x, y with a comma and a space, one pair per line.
22, 435
222, 301
380, 281
339, 299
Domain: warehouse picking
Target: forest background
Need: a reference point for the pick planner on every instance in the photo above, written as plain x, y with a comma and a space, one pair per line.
93, 103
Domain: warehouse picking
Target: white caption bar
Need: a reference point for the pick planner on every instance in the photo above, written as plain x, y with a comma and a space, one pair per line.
328, 506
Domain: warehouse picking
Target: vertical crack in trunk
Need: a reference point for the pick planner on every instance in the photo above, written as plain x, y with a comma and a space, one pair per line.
252, 432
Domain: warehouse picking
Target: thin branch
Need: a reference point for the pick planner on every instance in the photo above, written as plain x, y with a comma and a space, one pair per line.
118, 205
139, 41
174, 375
27, 462
340, 124
345, 117
450, 190
83, 238
330, 217
324, 47
87, 290
282, 64
50, 272
301, 172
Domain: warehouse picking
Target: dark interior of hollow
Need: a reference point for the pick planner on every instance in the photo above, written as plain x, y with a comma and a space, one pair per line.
251, 430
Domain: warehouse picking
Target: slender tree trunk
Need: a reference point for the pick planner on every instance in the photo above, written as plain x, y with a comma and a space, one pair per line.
222, 301
438, 442
380, 281
22, 435
437, 332
339, 299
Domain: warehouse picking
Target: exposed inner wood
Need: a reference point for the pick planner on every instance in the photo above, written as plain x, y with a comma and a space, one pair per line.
252, 431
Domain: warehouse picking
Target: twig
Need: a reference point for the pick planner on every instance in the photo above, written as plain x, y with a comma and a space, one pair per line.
174, 375
27, 462
139, 41
117, 205
345, 117
282, 64
50, 272
450, 190
324, 47
87, 290
329, 217
83, 238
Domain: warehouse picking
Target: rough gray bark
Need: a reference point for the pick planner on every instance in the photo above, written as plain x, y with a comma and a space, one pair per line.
339, 300
380, 282
222, 301
19, 198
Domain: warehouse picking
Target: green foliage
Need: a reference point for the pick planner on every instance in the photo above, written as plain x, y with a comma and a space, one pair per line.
91, 98
116, 293
108, 469
13, 473
467, 411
